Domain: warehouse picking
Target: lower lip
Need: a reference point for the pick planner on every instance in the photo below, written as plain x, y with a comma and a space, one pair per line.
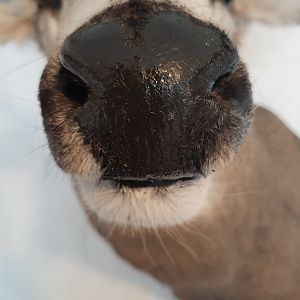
150, 182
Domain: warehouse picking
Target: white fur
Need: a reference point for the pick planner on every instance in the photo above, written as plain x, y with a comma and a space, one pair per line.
144, 207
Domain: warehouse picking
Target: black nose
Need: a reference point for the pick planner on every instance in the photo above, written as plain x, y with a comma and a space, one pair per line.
149, 76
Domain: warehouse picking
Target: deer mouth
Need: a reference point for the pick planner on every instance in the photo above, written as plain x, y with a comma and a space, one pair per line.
151, 183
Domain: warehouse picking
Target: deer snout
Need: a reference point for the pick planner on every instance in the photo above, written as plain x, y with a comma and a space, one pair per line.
155, 93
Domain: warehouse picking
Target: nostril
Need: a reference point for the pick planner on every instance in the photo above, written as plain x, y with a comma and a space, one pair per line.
220, 81
72, 86
234, 87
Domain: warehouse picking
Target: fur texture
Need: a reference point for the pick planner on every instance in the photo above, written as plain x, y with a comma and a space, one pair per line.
270, 11
145, 207
246, 244
229, 107
233, 235
17, 18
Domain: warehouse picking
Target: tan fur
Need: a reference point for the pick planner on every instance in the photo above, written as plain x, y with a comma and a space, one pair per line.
237, 241
270, 11
17, 19
247, 247
72, 155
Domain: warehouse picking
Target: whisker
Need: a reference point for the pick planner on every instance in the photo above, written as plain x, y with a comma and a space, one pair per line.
111, 231
115, 223
19, 98
237, 194
48, 175
36, 149
143, 239
189, 227
178, 238
20, 67
163, 244
33, 127
29, 153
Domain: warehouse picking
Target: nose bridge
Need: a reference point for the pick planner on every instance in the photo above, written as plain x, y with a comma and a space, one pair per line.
165, 39
147, 74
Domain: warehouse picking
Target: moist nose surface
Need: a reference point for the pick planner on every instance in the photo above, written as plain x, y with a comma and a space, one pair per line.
168, 41
149, 79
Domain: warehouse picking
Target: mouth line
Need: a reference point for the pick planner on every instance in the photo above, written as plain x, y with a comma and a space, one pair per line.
134, 184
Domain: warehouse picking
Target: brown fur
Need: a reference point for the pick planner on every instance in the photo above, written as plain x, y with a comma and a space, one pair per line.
248, 247
65, 142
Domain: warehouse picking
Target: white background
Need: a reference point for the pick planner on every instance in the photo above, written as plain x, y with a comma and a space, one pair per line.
48, 251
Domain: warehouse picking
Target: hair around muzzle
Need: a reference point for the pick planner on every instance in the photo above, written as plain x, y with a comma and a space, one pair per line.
150, 82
